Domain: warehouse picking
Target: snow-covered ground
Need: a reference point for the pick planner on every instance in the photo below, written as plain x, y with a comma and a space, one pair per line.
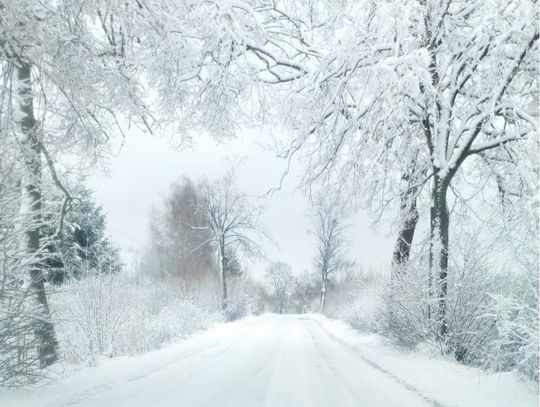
271, 360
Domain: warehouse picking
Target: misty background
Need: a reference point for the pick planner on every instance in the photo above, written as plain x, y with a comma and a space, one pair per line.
139, 175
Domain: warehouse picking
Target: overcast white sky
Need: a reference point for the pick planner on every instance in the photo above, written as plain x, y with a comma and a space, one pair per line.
140, 176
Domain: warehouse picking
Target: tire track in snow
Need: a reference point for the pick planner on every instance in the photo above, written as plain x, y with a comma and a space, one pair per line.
94, 390
335, 372
378, 367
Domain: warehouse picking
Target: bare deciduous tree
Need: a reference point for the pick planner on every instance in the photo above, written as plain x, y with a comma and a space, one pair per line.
75, 72
281, 281
232, 222
451, 79
180, 238
305, 291
329, 218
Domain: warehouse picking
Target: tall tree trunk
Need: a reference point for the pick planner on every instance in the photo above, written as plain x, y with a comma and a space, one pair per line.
323, 293
402, 248
411, 184
223, 274
438, 257
31, 190
408, 215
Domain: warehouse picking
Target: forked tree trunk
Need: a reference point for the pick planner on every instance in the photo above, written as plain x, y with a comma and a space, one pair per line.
439, 243
31, 191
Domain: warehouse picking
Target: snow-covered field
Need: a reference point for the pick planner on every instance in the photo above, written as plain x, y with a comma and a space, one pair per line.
271, 360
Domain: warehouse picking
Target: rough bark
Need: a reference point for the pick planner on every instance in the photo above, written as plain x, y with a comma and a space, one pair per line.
408, 215
31, 190
405, 237
439, 238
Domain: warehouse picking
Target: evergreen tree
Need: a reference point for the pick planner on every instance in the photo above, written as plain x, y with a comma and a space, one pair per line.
82, 246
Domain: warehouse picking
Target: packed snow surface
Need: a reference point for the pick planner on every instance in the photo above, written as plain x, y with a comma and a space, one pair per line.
278, 361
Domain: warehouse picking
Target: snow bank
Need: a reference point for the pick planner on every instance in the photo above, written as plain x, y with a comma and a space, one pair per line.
440, 378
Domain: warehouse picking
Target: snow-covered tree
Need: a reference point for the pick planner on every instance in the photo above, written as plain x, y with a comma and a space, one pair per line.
76, 72
232, 223
83, 246
434, 83
280, 279
329, 218
305, 291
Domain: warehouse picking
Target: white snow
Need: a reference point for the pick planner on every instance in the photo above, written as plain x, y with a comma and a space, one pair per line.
271, 360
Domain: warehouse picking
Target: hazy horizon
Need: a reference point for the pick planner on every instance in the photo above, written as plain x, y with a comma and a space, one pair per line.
138, 178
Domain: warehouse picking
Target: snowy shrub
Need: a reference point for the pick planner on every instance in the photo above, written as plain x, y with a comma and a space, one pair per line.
404, 315
410, 310
492, 314
90, 316
516, 323
246, 297
19, 362
495, 322
118, 314
354, 297
19, 313
470, 327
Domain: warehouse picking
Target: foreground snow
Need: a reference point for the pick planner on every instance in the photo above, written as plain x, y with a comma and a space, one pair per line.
295, 360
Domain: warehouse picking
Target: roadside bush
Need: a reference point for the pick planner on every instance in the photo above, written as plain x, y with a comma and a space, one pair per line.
19, 313
406, 305
118, 314
19, 362
355, 297
492, 314
246, 297
515, 345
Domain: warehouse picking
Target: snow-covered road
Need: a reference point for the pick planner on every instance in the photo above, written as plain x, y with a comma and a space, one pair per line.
277, 361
